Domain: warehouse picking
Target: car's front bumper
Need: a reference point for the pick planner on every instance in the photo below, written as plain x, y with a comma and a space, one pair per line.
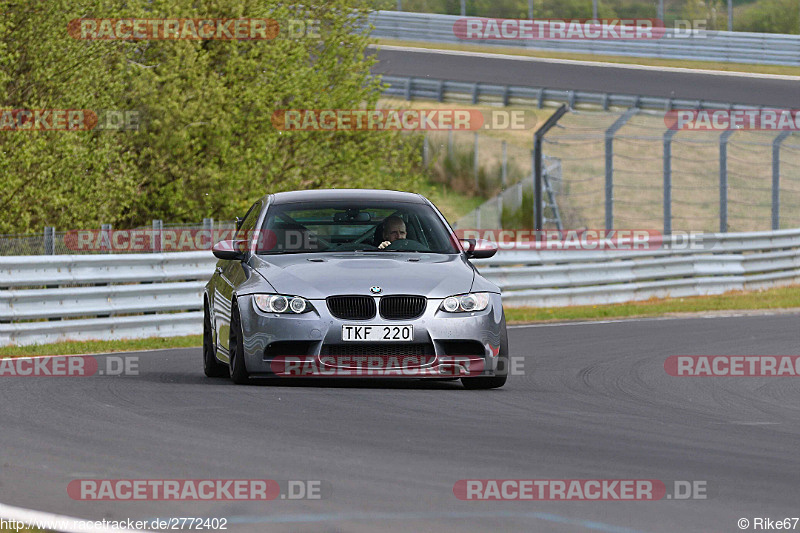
448, 344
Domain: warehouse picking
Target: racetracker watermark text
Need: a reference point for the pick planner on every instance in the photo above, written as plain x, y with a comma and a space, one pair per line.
197, 489
402, 119
355, 366
635, 240
69, 120
70, 366
733, 365
476, 28
733, 119
174, 29
577, 489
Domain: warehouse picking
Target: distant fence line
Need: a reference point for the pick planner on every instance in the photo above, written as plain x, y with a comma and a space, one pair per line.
696, 45
623, 167
152, 239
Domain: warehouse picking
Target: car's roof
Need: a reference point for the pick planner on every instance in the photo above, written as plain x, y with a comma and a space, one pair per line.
321, 195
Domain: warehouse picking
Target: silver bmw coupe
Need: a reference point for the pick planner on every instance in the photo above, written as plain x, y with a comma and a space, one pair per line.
352, 283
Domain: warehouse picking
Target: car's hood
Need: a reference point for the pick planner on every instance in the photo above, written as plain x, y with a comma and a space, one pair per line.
321, 275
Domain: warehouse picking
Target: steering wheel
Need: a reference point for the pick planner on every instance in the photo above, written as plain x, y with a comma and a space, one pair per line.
407, 244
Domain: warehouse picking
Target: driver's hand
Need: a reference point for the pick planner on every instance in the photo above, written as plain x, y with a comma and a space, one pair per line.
383, 245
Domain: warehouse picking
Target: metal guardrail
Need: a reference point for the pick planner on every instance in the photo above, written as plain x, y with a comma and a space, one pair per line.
80, 297
726, 262
57, 298
699, 45
410, 88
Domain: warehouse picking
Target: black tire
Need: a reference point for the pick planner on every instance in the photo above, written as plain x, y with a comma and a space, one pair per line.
211, 367
237, 367
485, 382
498, 380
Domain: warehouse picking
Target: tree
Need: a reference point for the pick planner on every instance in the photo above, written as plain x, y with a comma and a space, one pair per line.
206, 145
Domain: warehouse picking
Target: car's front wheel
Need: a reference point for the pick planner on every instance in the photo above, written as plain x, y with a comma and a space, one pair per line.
211, 367
486, 382
237, 368
501, 374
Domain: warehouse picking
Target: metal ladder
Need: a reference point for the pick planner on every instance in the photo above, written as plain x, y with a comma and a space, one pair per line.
550, 201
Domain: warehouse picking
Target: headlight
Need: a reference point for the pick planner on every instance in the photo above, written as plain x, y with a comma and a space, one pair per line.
278, 303
466, 303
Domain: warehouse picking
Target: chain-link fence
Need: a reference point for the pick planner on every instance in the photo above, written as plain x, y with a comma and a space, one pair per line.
157, 238
629, 170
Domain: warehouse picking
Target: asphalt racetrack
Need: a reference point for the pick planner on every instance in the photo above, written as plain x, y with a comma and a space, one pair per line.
769, 91
594, 402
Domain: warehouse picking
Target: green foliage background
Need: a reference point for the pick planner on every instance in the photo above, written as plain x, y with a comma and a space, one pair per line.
206, 146
769, 16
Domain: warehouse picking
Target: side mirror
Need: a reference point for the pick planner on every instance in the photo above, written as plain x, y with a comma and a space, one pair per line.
479, 248
239, 223
230, 250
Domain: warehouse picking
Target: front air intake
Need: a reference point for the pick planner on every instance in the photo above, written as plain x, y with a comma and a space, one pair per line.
402, 307
352, 307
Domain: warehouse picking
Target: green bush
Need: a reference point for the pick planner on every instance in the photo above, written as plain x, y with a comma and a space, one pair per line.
458, 171
207, 146
769, 16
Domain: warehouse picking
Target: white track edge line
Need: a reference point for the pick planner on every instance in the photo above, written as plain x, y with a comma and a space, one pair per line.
31, 516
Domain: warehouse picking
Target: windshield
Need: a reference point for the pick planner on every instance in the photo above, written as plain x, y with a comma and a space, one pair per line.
347, 226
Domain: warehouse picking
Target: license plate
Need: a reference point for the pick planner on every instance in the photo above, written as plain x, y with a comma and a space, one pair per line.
378, 333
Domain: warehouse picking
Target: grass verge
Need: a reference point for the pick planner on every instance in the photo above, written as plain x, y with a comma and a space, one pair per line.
625, 60
778, 298
81, 347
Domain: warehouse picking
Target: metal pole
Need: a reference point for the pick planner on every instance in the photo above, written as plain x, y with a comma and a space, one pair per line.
660, 14
106, 236
49, 240
500, 210
668, 181
594, 9
208, 225
399, 5
426, 150
610, 132
730, 15
463, 8
538, 211
776, 178
475, 162
530, 9
449, 144
536, 172
723, 180
155, 238
504, 168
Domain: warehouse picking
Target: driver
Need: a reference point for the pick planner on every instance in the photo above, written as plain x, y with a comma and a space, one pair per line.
393, 229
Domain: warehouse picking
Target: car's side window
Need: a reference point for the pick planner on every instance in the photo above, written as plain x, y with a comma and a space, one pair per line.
245, 232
